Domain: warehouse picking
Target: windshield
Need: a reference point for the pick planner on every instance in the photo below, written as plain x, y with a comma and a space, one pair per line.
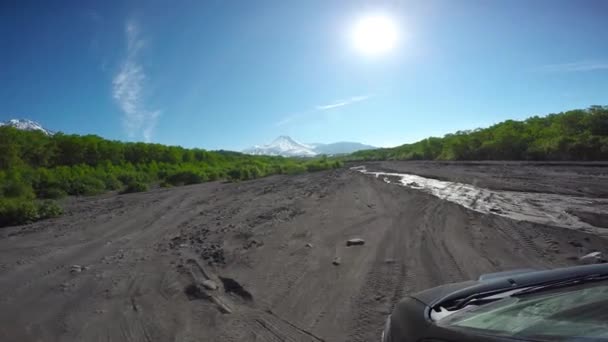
573, 312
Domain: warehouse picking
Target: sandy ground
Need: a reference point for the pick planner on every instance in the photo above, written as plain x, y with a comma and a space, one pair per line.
269, 245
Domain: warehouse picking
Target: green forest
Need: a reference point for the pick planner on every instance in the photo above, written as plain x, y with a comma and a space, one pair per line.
580, 135
36, 169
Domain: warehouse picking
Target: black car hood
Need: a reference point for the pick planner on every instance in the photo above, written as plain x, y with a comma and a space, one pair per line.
508, 280
430, 296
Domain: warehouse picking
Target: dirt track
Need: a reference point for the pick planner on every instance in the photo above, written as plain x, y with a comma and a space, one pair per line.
146, 252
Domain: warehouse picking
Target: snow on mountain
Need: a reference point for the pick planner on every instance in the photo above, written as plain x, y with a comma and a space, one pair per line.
282, 146
288, 147
26, 125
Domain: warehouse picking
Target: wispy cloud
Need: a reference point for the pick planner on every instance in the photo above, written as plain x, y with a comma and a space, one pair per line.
575, 66
128, 87
342, 103
321, 108
284, 121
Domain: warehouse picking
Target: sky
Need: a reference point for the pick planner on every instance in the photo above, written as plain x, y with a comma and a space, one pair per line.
232, 74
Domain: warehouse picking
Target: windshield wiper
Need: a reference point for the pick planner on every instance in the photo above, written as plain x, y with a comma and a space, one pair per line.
482, 298
560, 284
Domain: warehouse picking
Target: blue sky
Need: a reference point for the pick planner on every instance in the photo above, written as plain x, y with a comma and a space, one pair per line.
230, 74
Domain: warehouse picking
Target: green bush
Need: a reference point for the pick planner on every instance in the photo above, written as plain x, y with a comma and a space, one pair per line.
86, 185
51, 193
294, 169
185, 178
111, 182
317, 166
17, 189
20, 211
135, 187
132, 177
14, 212
234, 174
48, 209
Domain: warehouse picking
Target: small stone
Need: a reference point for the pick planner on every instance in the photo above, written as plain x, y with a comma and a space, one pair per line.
496, 210
389, 261
75, 269
209, 284
592, 258
355, 242
183, 245
336, 261
309, 245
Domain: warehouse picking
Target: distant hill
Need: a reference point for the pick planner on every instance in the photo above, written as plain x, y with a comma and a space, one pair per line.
288, 147
580, 134
343, 147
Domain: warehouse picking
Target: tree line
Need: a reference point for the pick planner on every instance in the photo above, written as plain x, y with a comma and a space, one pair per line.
36, 168
580, 135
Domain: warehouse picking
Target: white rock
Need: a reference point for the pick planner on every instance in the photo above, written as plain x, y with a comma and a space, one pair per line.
592, 258
355, 242
209, 284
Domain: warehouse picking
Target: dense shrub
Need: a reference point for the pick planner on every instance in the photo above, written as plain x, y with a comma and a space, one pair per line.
111, 182
21, 211
135, 187
17, 189
51, 193
48, 209
185, 177
86, 185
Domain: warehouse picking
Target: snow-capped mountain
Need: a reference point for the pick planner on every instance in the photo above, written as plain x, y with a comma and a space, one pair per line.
288, 147
282, 146
26, 125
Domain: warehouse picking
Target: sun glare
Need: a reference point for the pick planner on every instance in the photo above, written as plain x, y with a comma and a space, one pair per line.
375, 35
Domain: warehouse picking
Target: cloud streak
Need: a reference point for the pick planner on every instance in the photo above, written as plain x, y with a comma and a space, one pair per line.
128, 88
575, 66
342, 103
321, 108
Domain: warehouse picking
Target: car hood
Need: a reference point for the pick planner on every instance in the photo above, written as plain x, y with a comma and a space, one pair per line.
504, 281
428, 297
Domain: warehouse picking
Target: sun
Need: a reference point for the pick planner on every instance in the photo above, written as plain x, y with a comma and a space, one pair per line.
375, 34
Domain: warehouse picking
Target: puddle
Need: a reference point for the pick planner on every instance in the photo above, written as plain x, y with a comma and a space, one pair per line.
543, 208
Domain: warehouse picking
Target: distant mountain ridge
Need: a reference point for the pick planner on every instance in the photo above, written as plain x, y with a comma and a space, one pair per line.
288, 147
26, 125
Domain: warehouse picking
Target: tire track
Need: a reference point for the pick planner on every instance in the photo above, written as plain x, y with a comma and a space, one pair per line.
383, 287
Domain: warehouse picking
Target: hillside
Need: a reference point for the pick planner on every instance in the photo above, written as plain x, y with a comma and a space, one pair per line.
36, 166
580, 134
